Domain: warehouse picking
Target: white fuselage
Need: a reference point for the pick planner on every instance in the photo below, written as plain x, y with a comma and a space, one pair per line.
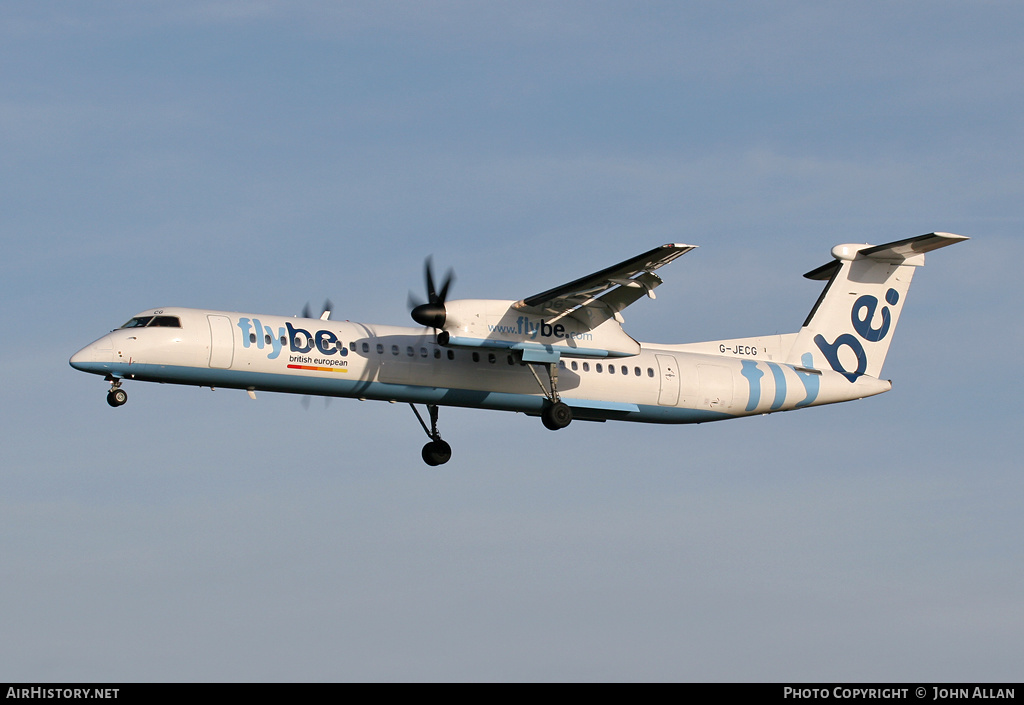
660, 384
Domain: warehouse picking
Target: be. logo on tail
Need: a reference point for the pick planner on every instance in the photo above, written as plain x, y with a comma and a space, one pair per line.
862, 315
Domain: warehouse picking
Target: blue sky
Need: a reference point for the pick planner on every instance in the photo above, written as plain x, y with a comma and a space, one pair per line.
255, 156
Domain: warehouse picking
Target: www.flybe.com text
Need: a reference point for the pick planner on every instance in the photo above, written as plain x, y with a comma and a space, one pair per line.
532, 329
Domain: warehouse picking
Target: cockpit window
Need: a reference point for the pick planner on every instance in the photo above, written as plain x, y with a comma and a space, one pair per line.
153, 322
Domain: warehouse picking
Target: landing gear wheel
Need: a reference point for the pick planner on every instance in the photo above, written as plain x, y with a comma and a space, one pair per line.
437, 453
556, 416
117, 397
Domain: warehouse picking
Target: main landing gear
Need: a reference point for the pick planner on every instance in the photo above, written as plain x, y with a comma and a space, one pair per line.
556, 413
116, 396
437, 452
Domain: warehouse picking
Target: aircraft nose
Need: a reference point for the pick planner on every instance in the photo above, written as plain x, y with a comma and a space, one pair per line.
95, 357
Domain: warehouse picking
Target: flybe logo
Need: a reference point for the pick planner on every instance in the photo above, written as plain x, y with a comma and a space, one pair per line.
862, 315
298, 340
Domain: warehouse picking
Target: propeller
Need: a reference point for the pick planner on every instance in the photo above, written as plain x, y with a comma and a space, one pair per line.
306, 402
326, 313
431, 313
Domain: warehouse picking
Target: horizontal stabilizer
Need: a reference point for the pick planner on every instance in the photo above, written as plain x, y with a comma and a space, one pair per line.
909, 252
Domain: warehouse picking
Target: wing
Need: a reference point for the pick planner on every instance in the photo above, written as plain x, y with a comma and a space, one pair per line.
611, 289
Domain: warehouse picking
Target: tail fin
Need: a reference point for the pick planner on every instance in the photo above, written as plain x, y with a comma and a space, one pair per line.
850, 327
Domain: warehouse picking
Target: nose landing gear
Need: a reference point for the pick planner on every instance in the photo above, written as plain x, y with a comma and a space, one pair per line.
116, 396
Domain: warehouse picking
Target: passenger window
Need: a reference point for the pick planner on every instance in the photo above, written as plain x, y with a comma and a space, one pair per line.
574, 365
380, 349
599, 367
650, 371
366, 347
491, 358
476, 357
394, 349
409, 351
511, 361
451, 354
252, 337
625, 370
586, 367
267, 339
636, 371
423, 352
284, 341
437, 353
611, 369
